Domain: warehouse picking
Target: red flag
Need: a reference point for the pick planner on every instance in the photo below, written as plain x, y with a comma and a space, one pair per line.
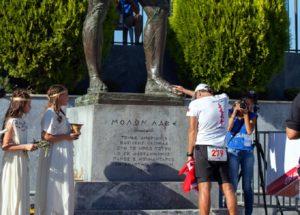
190, 181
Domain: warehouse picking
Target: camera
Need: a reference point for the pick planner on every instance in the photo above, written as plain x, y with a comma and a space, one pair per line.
243, 104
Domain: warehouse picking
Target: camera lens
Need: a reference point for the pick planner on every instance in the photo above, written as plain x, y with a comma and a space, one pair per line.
243, 104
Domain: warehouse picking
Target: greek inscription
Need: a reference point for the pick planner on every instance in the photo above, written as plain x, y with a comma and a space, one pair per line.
141, 151
136, 122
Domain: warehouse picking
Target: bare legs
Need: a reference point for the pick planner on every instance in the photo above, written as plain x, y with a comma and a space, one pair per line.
138, 27
230, 198
204, 198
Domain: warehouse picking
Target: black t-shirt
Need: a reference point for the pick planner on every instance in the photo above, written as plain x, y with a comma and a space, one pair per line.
293, 122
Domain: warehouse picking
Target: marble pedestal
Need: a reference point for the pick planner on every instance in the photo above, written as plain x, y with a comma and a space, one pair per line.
129, 154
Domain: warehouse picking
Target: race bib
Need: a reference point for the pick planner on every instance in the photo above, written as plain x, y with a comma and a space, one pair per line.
216, 153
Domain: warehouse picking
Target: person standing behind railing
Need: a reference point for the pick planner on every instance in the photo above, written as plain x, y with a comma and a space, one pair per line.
293, 121
241, 125
130, 13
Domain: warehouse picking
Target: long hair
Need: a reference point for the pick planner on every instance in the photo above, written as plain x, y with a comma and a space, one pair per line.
19, 99
53, 94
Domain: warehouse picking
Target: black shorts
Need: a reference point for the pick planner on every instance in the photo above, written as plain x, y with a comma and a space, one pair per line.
208, 171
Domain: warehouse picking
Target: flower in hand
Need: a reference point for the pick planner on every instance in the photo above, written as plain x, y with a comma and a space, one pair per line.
42, 144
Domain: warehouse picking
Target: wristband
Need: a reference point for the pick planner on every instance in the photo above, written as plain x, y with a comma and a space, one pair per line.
189, 154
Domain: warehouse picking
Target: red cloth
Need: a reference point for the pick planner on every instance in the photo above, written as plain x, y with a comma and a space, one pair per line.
190, 181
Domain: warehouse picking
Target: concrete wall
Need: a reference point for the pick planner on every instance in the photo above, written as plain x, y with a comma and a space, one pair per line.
288, 78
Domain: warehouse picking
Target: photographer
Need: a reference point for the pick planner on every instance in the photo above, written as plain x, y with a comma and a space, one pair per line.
241, 125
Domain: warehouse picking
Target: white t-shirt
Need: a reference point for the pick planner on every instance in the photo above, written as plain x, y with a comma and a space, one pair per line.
212, 114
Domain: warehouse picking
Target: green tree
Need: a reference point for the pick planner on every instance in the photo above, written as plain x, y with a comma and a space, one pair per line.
234, 45
6, 84
41, 41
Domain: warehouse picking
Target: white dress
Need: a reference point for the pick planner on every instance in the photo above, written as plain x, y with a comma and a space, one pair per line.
14, 195
55, 176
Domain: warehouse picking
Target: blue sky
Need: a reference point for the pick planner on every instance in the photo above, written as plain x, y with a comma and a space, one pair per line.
293, 14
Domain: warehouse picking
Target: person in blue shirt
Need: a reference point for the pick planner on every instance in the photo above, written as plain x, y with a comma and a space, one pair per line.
241, 125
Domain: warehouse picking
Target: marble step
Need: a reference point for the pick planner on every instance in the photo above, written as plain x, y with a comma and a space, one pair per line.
135, 196
138, 212
215, 211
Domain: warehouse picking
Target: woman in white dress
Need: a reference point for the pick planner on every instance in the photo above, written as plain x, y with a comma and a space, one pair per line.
55, 179
14, 195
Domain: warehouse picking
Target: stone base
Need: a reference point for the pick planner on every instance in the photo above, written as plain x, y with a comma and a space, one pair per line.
129, 154
133, 196
129, 98
130, 142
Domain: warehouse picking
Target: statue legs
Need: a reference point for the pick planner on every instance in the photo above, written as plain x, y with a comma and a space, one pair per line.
154, 43
93, 41
155, 33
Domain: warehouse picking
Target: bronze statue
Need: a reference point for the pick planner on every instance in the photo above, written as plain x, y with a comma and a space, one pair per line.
154, 43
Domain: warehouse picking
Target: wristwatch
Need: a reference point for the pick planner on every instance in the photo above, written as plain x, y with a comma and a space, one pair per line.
189, 154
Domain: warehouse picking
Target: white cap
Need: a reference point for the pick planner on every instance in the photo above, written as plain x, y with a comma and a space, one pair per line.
202, 87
